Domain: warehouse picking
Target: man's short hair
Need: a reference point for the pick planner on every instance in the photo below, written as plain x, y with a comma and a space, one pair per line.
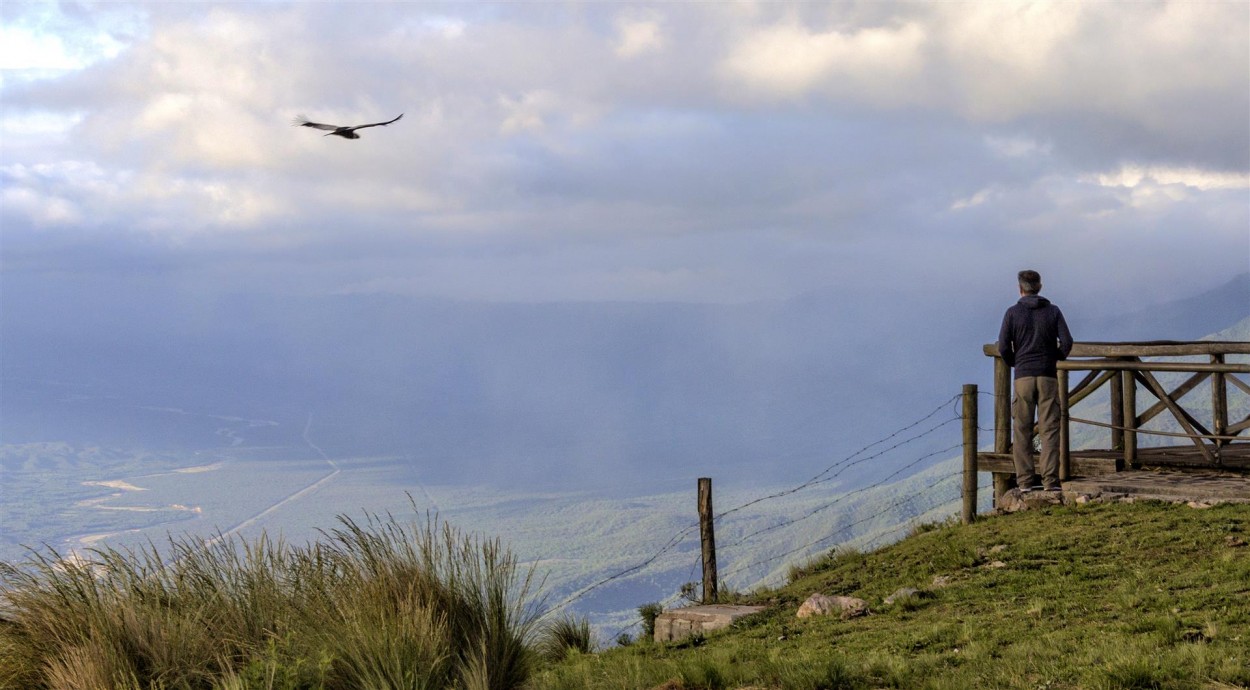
1030, 282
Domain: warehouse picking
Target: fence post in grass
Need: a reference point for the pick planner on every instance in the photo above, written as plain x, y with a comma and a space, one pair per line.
1117, 410
970, 453
1065, 432
1003, 481
708, 539
1128, 398
1219, 403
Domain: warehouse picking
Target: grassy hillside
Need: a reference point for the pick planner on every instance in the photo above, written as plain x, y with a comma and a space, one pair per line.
1144, 595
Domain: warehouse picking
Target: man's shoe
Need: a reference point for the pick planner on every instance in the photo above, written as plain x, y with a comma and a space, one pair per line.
1054, 489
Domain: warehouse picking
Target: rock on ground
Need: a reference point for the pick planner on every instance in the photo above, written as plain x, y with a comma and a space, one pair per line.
901, 593
1015, 501
822, 605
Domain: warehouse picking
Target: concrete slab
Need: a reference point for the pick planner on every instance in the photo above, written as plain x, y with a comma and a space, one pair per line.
1188, 485
679, 624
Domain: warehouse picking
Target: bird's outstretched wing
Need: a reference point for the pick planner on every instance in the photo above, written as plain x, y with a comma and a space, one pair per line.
376, 124
302, 121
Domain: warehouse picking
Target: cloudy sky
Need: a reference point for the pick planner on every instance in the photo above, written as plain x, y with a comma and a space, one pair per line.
711, 151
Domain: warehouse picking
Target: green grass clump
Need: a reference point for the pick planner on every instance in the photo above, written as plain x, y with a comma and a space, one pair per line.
376, 604
649, 612
1093, 597
565, 636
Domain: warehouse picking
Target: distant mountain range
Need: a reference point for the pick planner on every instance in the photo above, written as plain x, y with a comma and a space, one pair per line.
1185, 319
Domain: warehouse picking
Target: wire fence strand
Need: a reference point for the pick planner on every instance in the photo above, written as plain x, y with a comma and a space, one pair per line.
844, 528
844, 461
843, 497
828, 474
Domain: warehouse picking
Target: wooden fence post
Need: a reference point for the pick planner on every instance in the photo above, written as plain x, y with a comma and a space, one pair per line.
1117, 410
1065, 440
1219, 403
709, 540
1003, 481
1129, 399
970, 453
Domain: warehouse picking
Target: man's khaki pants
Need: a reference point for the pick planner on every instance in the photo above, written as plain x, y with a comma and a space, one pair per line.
1038, 394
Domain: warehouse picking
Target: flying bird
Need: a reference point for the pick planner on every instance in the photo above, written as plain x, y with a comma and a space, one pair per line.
340, 131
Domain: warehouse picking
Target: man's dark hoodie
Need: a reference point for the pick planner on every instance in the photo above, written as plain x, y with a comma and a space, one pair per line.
1034, 337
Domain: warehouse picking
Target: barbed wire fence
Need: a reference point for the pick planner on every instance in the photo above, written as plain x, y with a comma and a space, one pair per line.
833, 535
923, 427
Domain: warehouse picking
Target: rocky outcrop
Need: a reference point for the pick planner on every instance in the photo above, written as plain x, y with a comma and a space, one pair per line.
1014, 500
678, 624
900, 594
843, 607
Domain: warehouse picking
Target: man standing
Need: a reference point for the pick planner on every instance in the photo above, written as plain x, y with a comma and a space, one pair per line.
1033, 338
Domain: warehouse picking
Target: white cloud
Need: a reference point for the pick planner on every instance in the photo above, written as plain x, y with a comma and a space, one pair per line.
231, 206
26, 44
46, 126
975, 200
1003, 57
40, 209
1166, 66
534, 111
447, 27
787, 60
22, 49
44, 39
85, 196
1136, 175
1017, 146
526, 113
1172, 69
165, 110
636, 36
54, 193
1162, 189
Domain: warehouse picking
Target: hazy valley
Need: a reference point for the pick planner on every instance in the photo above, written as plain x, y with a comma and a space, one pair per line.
573, 432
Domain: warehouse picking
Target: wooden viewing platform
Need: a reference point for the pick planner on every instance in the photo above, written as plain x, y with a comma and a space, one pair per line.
1208, 440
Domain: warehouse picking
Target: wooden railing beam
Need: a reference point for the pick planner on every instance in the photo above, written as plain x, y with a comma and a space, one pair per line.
1160, 349
1186, 421
1234, 429
1119, 364
1176, 394
1148, 349
1088, 385
1123, 366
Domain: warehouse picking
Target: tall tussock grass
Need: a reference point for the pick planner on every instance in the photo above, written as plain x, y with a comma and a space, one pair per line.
372, 604
564, 636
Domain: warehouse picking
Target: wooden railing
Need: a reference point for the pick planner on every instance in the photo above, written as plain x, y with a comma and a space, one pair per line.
1126, 369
